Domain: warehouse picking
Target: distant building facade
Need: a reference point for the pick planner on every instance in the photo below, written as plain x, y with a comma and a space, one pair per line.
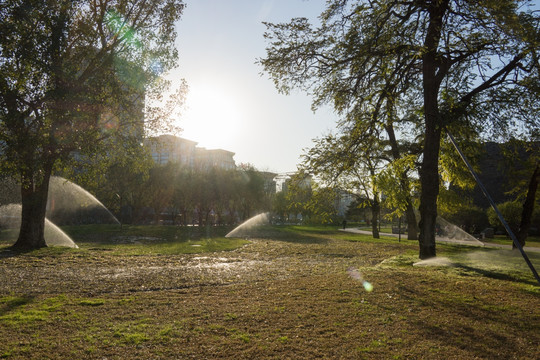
214, 158
174, 149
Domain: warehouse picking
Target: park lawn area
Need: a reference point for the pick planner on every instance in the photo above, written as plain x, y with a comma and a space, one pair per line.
144, 239
281, 293
531, 241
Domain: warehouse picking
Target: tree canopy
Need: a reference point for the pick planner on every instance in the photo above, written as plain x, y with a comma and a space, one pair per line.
421, 67
72, 75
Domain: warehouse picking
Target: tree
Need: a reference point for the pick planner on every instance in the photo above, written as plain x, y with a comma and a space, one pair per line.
359, 160
72, 74
523, 158
528, 206
322, 205
298, 193
511, 211
350, 163
431, 65
253, 196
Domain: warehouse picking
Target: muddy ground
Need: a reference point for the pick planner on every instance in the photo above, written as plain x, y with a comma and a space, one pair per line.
270, 299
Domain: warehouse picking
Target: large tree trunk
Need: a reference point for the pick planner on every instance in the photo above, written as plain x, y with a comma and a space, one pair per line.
429, 182
34, 193
432, 75
528, 207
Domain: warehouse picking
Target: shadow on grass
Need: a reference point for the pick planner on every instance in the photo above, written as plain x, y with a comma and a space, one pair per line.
11, 303
114, 234
7, 252
290, 234
495, 274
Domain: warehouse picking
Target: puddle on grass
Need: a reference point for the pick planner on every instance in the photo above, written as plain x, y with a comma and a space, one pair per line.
221, 263
197, 265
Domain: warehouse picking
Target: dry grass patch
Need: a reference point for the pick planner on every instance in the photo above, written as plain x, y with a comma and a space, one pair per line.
271, 299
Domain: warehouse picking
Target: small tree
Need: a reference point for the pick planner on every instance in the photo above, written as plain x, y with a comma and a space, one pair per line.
523, 161
322, 205
510, 210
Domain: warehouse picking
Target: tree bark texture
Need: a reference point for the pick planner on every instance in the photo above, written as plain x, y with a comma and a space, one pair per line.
429, 182
34, 194
412, 225
375, 214
429, 172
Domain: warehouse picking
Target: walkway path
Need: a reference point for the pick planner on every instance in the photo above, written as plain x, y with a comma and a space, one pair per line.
448, 240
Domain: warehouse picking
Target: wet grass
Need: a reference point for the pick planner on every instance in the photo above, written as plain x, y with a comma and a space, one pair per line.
286, 294
140, 240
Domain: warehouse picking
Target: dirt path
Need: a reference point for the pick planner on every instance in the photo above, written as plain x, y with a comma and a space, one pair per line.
452, 241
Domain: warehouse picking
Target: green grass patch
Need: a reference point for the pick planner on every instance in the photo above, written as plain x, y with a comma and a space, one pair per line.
136, 240
92, 302
21, 311
530, 241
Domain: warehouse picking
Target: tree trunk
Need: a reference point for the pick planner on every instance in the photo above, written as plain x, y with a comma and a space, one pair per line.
432, 76
528, 207
429, 182
200, 217
34, 193
412, 225
375, 213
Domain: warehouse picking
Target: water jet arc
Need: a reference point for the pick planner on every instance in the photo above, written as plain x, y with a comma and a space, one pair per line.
242, 229
70, 203
10, 217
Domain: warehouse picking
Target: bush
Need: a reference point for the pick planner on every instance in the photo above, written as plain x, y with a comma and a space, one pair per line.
511, 211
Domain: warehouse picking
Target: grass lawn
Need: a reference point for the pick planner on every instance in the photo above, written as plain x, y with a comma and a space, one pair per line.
531, 241
291, 292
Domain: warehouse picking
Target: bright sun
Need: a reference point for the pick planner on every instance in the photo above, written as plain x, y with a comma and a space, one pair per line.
212, 117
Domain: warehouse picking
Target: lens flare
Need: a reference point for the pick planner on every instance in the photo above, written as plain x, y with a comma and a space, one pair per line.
355, 274
367, 286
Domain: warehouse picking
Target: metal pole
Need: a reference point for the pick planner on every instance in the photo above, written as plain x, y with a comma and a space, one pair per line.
494, 206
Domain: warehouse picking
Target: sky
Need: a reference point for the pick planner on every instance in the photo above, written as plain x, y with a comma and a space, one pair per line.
231, 104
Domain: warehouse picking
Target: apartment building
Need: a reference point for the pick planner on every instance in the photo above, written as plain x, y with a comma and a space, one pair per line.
174, 149
216, 158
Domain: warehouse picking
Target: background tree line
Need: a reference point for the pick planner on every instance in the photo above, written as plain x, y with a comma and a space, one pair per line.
140, 191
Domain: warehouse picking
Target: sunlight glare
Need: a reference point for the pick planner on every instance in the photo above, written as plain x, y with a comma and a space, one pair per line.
213, 117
